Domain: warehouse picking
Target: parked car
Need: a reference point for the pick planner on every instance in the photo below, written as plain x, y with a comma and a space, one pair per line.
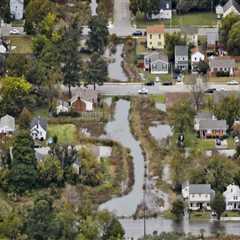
233, 82
137, 33
150, 83
210, 90
218, 141
14, 31
167, 83
143, 91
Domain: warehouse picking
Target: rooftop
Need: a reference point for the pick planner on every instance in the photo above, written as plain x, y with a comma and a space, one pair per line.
156, 29
231, 3
212, 124
200, 189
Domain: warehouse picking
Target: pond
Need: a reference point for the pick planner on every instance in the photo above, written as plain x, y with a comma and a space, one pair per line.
115, 69
160, 131
119, 130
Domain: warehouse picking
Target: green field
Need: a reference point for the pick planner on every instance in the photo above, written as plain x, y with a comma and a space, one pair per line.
66, 133
193, 19
21, 44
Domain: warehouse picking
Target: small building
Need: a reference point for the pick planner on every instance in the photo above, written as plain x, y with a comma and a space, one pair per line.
191, 34
3, 49
232, 6
202, 116
198, 196
62, 107
165, 10
38, 128
212, 128
196, 58
181, 58
156, 37
7, 125
224, 65
84, 101
16, 9
219, 11
232, 197
156, 63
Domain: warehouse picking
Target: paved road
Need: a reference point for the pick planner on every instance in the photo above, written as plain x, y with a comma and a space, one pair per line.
131, 89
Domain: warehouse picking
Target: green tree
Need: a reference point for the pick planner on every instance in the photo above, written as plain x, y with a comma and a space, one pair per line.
178, 209
114, 231
98, 35
23, 170
70, 57
97, 71
234, 39
218, 204
41, 222
5, 10
25, 118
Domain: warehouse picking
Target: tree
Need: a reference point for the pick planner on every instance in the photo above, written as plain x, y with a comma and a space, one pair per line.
178, 209
114, 231
218, 204
98, 35
25, 118
5, 10
41, 222
71, 58
97, 71
203, 67
234, 39
14, 93
23, 170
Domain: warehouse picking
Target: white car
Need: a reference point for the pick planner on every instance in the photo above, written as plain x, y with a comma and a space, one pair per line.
143, 91
233, 82
14, 31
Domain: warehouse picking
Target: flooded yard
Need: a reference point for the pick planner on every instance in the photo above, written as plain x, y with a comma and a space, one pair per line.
160, 131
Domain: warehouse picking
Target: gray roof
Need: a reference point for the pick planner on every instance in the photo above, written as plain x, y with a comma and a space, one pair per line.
200, 189
212, 37
212, 124
181, 50
39, 121
165, 4
157, 56
222, 62
231, 3
85, 94
7, 121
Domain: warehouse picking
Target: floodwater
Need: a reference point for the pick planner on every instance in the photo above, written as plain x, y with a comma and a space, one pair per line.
93, 6
115, 69
119, 130
160, 131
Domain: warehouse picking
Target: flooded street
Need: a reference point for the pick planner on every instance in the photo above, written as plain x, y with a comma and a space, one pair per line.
160, 131
115, 69
119, 130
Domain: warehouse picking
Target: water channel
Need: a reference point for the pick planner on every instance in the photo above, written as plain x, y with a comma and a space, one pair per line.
125, 206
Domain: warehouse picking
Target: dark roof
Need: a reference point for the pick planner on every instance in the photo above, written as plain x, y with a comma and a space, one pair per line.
231, 3
212, 124
181, 50
165, 5
39, 121
200, 189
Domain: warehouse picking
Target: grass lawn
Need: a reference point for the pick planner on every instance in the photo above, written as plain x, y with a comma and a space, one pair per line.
23, 44
194, 19
205, 144
231, 143
158, 98
66, 133
231, 214
199, 215
42, 112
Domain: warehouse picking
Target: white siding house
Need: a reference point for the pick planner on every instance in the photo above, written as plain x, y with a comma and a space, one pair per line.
232, 197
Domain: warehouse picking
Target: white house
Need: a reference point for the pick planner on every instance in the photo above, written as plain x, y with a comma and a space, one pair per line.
38, 128
232, 197
198, 196
3, 49
62, 107
196, 57
17, 8
219, 11
7, 124
165, 10
232, 6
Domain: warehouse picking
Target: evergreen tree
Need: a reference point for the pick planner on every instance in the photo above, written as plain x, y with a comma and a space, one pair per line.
23, 169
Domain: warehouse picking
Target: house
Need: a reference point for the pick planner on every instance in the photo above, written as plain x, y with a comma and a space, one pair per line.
232, 197
212, 128
181, 58
165, 10
38, 128
202, 116
232, 6
155, 37
62, 107
3, 49
196, 58
84, 101
224, 65
191, 34
219, 11
156, 63
7, 125
198, 196
17, 8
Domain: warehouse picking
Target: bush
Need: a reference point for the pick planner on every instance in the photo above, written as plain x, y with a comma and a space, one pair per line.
222, 74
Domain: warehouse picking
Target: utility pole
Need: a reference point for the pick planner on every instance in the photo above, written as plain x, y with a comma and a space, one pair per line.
144, 200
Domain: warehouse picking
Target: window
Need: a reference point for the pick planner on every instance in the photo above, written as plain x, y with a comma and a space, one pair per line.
159, 44
159, 36
150, 43
150, 36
